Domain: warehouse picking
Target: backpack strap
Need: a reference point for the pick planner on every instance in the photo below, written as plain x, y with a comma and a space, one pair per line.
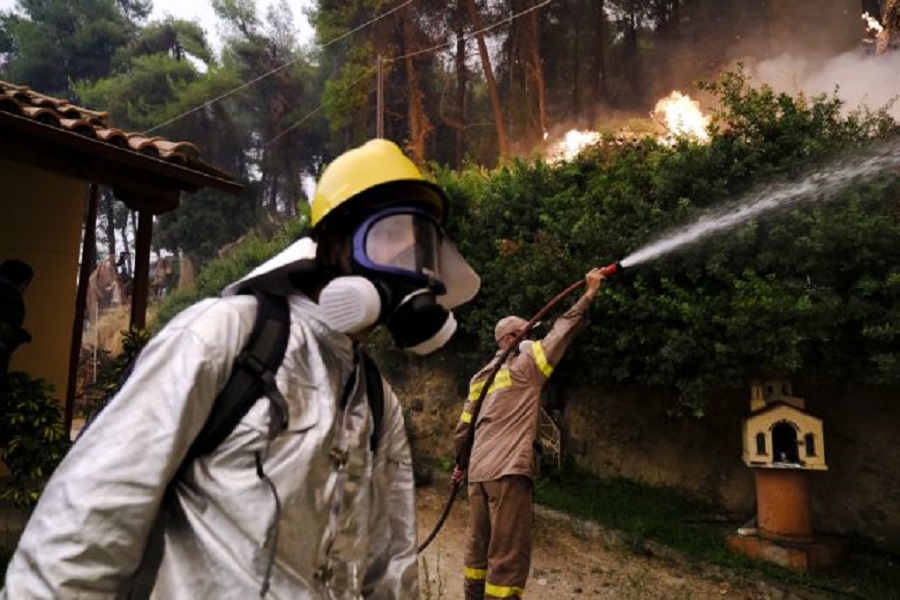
252, 376
375, 394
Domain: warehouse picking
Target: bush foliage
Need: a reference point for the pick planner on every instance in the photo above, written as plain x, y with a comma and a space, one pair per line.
811, 290
247, 255
113, 372
32, 437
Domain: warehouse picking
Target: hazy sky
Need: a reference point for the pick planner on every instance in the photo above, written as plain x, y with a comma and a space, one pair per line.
201, 12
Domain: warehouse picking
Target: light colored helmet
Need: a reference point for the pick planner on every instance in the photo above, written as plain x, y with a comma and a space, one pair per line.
510, 325
376, 163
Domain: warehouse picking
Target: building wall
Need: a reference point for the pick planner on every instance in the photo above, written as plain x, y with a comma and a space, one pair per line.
632, 434
40, 222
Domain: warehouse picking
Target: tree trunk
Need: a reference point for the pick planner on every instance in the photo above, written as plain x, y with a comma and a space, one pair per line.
576, 60
124, 233
517, 104
502, 141
462, 80
109, 205
598, 65
134, 228
631, 60
419, 125
537, 69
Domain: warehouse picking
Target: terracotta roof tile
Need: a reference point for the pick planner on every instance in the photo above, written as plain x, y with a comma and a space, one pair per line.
116, 137
57, 112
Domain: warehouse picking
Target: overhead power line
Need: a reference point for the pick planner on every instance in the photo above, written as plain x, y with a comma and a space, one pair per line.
508, 19
435, 48
307, 116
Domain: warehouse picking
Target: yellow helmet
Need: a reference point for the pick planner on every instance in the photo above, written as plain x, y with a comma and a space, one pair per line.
376, 163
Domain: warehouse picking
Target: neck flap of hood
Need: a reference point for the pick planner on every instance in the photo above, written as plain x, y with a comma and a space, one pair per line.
273, 275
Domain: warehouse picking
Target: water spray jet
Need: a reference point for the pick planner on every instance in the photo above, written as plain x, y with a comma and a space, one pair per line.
823, 185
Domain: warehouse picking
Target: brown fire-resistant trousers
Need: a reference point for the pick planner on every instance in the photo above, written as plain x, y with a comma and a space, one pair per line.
498, 548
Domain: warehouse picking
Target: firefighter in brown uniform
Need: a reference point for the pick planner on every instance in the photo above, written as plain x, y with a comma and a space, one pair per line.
503, 462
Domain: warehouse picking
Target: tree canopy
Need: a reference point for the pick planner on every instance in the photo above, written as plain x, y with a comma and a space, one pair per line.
462, 82
472, 89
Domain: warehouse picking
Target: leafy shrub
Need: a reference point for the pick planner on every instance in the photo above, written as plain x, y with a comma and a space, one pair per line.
32, 437
111, 375
811, 290
248, 254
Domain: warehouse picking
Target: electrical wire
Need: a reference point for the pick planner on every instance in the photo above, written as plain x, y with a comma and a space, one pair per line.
307, 116
509, 19
275, 70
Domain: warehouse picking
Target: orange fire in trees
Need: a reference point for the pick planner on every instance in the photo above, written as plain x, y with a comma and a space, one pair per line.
572, 143
872, 24
681, 116
677, 113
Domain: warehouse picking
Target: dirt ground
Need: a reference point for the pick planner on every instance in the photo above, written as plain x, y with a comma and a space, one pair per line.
570, 559
574, 559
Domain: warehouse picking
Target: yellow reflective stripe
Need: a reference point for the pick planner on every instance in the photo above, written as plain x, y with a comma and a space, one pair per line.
541, 359
502, 380
503, 591
466, 417
477, 574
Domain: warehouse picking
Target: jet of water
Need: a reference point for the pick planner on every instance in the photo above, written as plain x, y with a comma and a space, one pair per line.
823, 185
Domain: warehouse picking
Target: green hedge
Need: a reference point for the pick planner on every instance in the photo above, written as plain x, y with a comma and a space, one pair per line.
218, 273
812, 291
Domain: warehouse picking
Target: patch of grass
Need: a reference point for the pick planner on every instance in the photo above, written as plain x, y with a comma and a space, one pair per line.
666, 516
640, 511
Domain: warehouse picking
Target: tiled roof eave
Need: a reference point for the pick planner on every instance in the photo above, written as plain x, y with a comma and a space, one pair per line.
19, 130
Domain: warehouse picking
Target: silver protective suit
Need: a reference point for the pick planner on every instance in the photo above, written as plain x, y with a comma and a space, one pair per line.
322, 518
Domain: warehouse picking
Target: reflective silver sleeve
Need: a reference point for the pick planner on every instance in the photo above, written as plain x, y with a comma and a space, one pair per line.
87, 534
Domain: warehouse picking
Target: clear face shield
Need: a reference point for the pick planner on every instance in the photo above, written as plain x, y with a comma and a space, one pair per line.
407, 275
408, 243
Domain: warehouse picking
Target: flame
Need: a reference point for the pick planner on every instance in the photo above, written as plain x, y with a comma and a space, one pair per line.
872, 24
574, 142
682, 116
676, 112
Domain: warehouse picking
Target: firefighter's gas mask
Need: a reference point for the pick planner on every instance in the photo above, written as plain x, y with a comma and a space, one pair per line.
405, 274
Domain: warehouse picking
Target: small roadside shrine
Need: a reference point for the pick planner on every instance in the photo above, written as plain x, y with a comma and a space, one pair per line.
784, 445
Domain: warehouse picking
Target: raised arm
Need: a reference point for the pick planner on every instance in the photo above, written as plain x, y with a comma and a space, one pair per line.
549, 350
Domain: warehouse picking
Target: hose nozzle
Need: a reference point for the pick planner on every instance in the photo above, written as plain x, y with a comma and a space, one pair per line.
611, 269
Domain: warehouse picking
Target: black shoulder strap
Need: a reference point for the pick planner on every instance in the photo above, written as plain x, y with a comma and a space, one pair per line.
252, 376
375, 394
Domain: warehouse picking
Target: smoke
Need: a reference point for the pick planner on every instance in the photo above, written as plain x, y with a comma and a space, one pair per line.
857, 78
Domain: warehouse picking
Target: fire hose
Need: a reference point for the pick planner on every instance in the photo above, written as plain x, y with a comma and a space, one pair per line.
463, 459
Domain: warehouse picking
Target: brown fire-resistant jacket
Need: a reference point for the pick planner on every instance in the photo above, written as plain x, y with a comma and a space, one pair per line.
507, 423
